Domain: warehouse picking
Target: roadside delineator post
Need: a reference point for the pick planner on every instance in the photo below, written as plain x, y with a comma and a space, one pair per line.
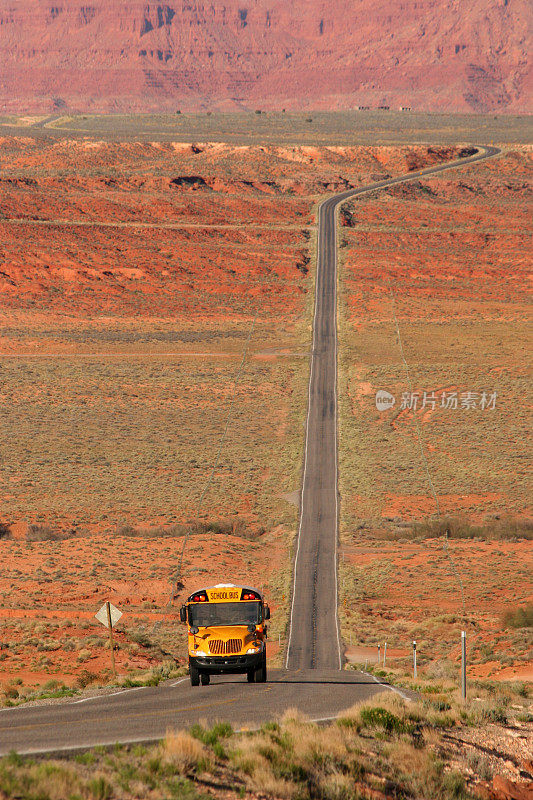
463, 665
414, 660
379, 654
385, 654
111, 644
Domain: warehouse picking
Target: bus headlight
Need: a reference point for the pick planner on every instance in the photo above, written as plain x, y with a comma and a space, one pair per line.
253, 650
198, 653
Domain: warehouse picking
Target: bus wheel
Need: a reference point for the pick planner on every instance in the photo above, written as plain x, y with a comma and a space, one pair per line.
195, 675
261, 673
205, 678
250, 675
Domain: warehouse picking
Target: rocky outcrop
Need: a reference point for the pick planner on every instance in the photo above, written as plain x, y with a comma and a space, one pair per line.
126, 55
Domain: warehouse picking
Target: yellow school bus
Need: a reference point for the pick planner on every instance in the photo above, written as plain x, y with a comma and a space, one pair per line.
227, 632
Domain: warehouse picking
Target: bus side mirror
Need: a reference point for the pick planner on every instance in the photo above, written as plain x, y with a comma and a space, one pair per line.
183, 614
267, 612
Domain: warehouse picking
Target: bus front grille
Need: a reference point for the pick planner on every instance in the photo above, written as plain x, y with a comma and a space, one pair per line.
217, 647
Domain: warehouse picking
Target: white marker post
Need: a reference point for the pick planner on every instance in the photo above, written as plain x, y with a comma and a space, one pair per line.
379, 654
463, 665
414, 660
385, 654
109, 615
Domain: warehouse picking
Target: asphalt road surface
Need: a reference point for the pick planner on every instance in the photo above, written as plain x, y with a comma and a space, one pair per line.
314, 681
146, 714
314, 637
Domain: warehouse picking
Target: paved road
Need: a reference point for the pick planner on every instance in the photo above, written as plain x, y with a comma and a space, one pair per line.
146, 714
314, 682
314, 638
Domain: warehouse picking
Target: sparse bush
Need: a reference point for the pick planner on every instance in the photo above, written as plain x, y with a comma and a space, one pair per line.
221, 730
226, 527
83, 655
43, 533
382, 718
5, 531
494, 714
459, 527
520, 617
85, 678
141, 638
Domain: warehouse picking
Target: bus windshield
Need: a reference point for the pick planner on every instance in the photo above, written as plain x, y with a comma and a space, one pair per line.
201, 615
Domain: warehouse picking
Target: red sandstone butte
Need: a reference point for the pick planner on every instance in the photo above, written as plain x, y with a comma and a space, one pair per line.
122, 55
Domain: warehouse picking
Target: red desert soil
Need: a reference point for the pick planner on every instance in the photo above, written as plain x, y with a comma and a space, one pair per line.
131, 276
437, 272
445, 262
132, 56
135, 273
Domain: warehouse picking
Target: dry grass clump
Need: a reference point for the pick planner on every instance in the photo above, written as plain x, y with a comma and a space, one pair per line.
297, 758
422, 772
184, 752
50, 780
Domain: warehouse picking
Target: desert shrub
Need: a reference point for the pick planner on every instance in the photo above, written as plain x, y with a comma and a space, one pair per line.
494, 714
5, 531
442, 669
375, 713
85, 678
521, 689
224, 527
383, 718
459, 527
209, 736
141, 637
519, 617
43, 533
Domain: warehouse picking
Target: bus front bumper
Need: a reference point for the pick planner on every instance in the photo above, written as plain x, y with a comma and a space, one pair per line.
217, 665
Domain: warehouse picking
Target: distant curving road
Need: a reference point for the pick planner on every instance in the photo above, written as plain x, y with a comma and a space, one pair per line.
313, 681
314, 636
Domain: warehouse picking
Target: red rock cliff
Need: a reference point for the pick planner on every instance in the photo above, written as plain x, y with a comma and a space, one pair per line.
124, 55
